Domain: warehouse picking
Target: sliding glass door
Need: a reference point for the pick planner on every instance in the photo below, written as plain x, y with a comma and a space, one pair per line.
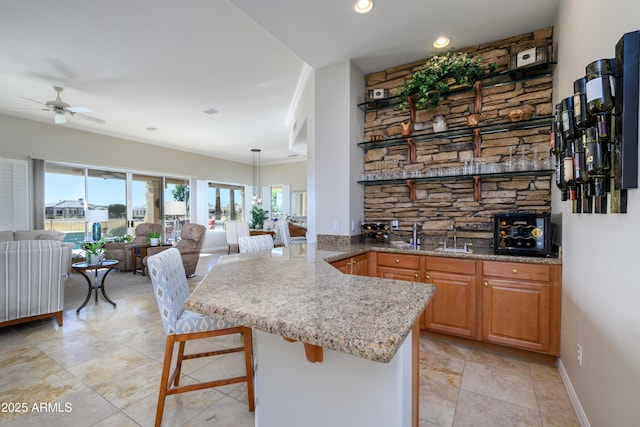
76, 197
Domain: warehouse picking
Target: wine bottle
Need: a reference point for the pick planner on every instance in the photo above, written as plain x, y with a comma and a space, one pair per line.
557, 140
579, 164
596, 160
569, 176
560, 182
568, 121
600, 86
580, 114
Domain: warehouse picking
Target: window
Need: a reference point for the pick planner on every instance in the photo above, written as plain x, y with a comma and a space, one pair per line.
225, 203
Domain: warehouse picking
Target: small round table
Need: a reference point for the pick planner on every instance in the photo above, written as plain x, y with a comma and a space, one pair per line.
95, 284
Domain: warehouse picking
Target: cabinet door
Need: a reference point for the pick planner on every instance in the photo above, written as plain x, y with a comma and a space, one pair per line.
516, 313
452, 309
343, 265
360, 265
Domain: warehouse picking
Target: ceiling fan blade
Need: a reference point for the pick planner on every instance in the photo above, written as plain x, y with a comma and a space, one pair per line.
33, 100
32, 109
90, 118
79, 109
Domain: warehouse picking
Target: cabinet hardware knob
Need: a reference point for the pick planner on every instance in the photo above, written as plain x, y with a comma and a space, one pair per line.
486, 284
514, 271
415, 275
428, 277
397, 261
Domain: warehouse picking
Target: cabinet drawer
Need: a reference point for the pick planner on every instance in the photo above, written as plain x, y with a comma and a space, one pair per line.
517, 271
451, 265
399, 260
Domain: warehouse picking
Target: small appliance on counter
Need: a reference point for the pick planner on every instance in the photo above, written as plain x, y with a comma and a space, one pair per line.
523, 234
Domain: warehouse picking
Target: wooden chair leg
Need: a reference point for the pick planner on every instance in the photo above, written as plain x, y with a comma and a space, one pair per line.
248, 359
166, 367
179, 363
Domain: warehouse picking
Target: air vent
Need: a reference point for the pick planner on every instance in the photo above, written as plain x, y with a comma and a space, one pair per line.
210, 111
151, 128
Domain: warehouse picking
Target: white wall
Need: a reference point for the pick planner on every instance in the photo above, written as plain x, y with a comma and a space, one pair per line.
601, 268
337, 158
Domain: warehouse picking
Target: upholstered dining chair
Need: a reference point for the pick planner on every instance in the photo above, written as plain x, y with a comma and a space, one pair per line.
263, 242
171, 289
231, 229
287, 240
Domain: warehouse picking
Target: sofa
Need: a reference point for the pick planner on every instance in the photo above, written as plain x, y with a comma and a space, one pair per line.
192, 238
7, 236
32, 276
122, 251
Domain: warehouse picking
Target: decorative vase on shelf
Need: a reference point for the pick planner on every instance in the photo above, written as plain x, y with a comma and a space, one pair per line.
439, 124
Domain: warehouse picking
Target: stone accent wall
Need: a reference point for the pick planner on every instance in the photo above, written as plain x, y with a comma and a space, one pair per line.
439, 205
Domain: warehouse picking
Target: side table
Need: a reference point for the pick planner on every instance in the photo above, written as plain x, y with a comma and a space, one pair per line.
138, 253
95, 284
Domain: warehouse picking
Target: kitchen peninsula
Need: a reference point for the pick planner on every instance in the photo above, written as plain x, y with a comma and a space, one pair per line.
363, 332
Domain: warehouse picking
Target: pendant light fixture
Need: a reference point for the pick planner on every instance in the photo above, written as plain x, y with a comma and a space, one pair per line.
256, 200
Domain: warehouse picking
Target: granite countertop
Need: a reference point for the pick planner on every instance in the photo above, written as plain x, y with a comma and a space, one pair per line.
294, 292
480, 253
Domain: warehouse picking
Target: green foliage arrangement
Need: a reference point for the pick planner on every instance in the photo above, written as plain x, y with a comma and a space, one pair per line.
95, 248
439, 73
258, 215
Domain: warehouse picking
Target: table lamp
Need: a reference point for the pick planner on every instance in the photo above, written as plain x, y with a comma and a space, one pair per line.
96, 216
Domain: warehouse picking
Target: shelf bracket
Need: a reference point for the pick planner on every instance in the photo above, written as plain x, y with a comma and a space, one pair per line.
314, 353
478, 103
477, 141
412, 189
412, 107
412, 150
476, 188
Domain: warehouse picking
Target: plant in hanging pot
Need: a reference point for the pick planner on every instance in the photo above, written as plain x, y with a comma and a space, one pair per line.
440, 74
94, 251
154, 238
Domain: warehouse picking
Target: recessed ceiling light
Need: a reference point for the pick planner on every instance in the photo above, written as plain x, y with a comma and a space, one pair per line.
211, 111
441, 42
363, 6
151, 128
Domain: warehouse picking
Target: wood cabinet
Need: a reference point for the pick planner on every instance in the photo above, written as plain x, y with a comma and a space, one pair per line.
515, 304
521, 305
357, 265
452, 309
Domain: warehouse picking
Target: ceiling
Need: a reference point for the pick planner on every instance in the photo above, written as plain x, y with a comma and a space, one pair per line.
161, 64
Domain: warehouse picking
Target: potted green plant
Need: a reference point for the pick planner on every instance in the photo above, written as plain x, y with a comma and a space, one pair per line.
154, 238
440, 74
258, 215
94, 251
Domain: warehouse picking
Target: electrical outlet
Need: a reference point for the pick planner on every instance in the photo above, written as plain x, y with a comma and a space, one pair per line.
336, 224
579, 355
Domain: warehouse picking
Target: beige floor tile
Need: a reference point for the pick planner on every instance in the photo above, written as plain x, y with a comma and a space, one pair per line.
226, 413
437, 403
553, 400
544, 371
476, 410
508, 385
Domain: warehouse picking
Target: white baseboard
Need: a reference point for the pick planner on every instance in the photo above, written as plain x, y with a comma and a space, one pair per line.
582, 416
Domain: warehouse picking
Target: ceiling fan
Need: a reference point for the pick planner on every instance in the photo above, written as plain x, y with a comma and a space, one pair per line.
61, 108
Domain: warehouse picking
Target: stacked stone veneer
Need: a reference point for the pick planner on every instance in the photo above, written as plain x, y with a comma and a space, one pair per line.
438, 205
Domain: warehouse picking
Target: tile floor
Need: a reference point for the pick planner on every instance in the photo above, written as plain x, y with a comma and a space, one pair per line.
102, 368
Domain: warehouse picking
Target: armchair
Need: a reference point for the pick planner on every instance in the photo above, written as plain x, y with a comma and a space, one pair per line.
122, 251
189, 246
